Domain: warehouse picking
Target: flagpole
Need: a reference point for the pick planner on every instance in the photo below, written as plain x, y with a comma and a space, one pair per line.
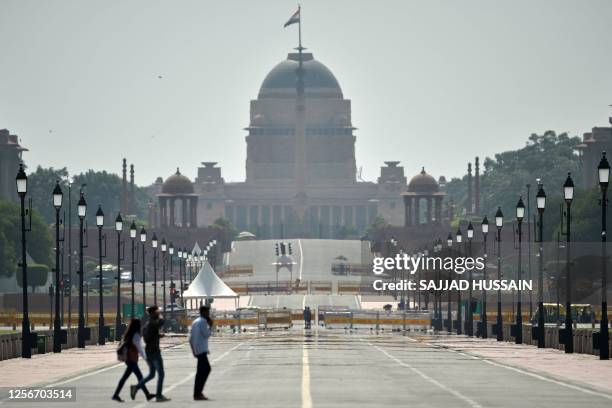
300, 29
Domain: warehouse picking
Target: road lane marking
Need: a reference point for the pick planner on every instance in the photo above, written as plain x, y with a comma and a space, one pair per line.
424, 376
301, 257
306, 397
190, 376
488, 360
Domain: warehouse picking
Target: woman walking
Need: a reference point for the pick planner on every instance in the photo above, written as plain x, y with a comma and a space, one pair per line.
133, 347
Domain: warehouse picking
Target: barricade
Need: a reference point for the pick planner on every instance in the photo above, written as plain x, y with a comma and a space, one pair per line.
355, 319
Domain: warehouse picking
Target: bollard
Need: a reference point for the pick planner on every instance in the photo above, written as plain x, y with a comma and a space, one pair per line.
377, 321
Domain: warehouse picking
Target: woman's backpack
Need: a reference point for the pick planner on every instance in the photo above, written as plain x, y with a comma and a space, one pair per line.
122, 351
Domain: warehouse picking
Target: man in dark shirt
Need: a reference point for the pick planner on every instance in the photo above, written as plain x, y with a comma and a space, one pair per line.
151, 336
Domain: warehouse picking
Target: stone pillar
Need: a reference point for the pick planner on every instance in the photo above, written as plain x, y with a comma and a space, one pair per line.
172, 212
477, 187
184, 219
429, 213
417, 211
131, 206
194, 212
468, 205
407, 211
124, 197
438, 210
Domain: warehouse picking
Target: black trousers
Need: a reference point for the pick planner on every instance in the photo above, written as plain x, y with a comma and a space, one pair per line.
130, 367
202, 373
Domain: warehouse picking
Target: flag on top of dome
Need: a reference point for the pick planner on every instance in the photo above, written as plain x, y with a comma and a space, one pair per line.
295, 18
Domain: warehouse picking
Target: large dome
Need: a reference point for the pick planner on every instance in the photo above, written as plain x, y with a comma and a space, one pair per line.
423, 183
177, 184
318, 79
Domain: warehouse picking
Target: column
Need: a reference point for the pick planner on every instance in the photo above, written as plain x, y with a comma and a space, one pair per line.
172, 212
417, 211
438, 210
194, 212
162, 212
184, 218
429, 203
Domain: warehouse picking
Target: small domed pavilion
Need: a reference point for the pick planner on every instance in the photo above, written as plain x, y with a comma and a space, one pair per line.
179, 188
423, 187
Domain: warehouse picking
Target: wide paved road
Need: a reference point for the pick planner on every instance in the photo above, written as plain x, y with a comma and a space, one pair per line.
337, 369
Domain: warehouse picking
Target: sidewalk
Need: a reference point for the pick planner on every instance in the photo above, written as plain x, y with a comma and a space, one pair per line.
51, 367
576, 368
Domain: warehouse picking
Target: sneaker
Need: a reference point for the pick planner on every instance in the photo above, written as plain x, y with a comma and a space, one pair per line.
150, 397
162, 398
133, 391
117, 398
200, 397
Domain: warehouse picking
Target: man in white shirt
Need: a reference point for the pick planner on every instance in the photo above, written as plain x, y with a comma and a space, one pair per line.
198, 340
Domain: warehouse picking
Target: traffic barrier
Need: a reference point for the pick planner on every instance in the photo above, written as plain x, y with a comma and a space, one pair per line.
354, 319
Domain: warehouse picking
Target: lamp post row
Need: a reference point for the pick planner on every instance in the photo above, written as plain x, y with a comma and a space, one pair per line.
59, 335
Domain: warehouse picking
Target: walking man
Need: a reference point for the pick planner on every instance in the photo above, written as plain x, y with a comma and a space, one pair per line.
154, 357
198, 340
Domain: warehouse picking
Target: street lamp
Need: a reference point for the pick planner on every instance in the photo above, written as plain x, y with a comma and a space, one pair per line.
483, 310
568, 195
100, 225
154, 243
171, 253
459, 239
520, 215
58, 196
118, 229
449, 316
499, 325
81, 212
26, 338
604, 178
133, 232
164, 249
541, 204
143, 241
470, 316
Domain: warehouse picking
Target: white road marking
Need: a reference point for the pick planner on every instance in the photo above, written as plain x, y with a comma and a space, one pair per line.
301, 257
424, 376
78, 377
306, 397
190, 376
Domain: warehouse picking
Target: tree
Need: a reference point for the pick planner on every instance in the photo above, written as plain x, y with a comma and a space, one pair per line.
40, 187
548, 157
39, 241
38, 275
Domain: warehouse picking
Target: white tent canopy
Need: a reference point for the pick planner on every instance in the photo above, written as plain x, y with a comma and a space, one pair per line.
208, 285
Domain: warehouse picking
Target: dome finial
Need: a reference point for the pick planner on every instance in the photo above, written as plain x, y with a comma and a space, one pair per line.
178, 171
423, 170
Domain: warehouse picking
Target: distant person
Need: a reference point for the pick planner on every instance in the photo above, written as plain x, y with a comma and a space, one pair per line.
198, 340
128, 351
151, 333
307, 317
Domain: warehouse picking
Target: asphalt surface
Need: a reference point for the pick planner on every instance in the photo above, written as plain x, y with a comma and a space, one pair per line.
326, 368
297, 301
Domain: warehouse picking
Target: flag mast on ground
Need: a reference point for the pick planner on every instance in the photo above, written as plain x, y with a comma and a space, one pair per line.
296, 18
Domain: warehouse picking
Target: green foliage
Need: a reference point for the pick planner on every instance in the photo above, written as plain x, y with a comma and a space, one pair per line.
39, 241
102, 188
548, 157
224, 225
347, 231
37, 275
375, 231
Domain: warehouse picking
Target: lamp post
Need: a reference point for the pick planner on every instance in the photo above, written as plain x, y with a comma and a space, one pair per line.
154, 243
499, 326
143, 241
568, 195
171, 253
133, 232
100, 225
541, 204
484, 332
81, 211
180, 265
459, 239
22, 189
470, 316
164, 249
118, 229
449, 316
57, 325
520, 215
604, 178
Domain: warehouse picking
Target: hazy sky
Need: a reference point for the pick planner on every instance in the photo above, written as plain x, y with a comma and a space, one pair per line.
432, 83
